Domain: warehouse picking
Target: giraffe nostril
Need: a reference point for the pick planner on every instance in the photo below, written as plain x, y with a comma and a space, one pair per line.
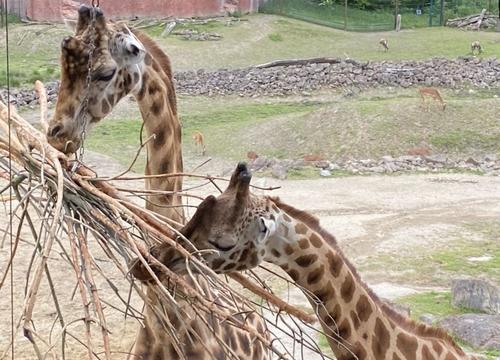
55, 130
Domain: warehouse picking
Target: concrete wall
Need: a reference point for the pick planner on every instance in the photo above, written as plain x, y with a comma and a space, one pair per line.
49, 10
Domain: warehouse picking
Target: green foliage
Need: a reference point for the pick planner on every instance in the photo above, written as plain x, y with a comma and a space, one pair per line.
275, 37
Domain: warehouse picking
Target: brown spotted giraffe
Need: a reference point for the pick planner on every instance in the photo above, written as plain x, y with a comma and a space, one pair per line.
129, 62
246, 230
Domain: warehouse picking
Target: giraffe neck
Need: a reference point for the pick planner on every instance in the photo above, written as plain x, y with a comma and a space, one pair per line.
156, 99
357, 324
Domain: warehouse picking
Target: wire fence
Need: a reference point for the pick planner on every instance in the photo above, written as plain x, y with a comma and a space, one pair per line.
377, 15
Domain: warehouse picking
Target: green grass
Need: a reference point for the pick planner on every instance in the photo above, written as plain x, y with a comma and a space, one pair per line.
433, 302
275, 37
219, 122
439, 263
380, 122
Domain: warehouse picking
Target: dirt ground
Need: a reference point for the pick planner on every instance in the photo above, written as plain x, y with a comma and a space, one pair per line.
373, 218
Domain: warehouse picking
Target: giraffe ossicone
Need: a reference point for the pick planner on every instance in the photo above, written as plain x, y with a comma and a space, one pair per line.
246, 230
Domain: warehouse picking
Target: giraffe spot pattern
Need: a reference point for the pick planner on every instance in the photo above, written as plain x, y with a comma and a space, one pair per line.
288, 249
335, 263
426, 353
380, 340
347, 289
303, 243
450, 356
300, 229
315, 275
306, 260
363, 308
436, 346
275, 253
355, 320
325, 293
316, 241
294, 274
407, 345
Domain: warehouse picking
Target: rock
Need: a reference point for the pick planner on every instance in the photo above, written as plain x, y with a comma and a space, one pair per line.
479, 330
472, 161
436, 159
490, 157
323, 164
259, 163
476, 294
427, 319
387, 159
325, 173
279, 171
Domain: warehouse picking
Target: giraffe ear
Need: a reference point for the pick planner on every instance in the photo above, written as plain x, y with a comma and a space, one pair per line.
126, 49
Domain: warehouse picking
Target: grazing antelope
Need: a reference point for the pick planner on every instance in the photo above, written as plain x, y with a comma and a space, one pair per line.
433, 93
199, 141
385, 44
476, 46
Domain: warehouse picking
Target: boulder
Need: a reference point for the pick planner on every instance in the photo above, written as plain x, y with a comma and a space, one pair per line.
476, 294
279, 171
482, 331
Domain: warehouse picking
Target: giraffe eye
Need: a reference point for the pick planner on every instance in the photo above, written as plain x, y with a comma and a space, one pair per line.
108, 75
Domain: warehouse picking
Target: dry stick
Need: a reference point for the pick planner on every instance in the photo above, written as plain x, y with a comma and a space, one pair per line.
84, 251
188, 289
54, 156
167, 175
282, 305
81, 286
42, 99
153, 220
252, 287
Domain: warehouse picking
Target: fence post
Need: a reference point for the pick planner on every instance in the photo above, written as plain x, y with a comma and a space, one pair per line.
441, 15
345, 15
431, 8
396, 12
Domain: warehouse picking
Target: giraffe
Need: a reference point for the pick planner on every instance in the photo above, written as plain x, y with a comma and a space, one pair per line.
123, 62
247, 229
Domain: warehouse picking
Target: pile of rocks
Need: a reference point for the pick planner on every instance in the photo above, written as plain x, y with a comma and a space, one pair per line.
296, 79
301, 79
489, 164
27, 97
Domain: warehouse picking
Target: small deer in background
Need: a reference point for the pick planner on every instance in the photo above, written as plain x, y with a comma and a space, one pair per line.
385, 44
199, 141
476, 46
432, 93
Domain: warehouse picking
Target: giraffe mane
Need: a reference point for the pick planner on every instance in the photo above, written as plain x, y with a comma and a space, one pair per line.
163, 60
406, 323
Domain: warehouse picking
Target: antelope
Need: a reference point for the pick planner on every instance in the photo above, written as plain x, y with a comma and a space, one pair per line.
199, 141
476, 45
385, 44
433, 93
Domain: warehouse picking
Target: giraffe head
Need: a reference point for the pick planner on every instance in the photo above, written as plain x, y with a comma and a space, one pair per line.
237, 224
88, 93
